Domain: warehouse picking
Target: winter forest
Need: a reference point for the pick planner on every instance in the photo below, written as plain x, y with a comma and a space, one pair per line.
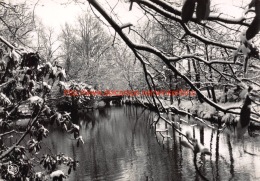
129, 90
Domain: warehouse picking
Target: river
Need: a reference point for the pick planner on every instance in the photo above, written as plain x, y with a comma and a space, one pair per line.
120, 145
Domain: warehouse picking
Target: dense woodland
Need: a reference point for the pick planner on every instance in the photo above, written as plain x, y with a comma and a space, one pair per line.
175, 45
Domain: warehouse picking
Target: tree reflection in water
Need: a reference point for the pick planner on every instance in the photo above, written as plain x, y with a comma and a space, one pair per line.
120, 145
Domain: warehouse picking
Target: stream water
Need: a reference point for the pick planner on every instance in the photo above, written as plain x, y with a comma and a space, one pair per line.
120, 145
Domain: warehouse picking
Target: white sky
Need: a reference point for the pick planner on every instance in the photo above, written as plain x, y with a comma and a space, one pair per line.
55, 13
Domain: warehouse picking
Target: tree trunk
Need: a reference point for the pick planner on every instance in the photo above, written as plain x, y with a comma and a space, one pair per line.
197, 76
171, 89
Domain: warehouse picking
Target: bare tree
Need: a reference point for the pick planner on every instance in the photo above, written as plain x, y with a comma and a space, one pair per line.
16, 22
47, 43
85, 46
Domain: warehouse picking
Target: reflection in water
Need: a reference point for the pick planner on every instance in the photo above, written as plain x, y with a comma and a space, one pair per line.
119, 145
231, 157
217, 156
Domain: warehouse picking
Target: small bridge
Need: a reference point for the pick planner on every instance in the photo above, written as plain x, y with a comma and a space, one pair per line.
114, 99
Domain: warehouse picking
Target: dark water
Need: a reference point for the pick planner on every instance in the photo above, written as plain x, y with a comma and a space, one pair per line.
119, 145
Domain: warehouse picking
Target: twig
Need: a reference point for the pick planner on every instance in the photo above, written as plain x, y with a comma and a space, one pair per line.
10, 132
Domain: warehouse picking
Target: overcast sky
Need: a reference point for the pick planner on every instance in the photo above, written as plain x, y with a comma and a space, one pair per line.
55, 13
